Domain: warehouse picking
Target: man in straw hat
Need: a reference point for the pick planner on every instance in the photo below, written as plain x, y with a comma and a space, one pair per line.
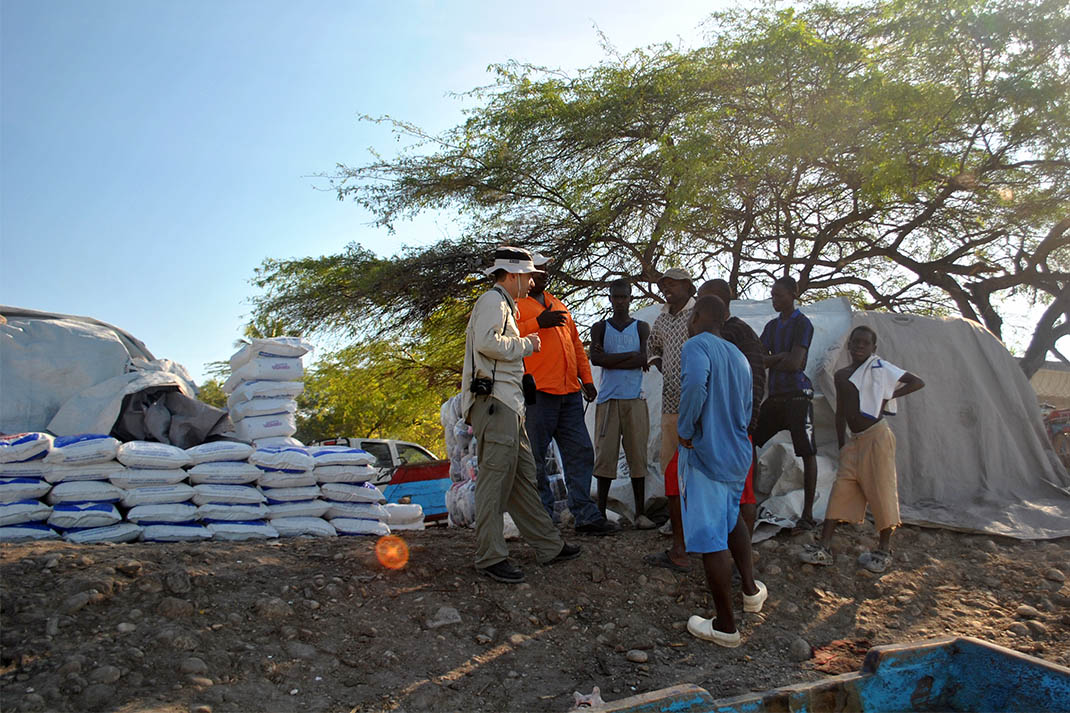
493, 403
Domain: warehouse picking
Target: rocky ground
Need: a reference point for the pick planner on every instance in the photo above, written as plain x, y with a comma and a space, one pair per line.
320, 625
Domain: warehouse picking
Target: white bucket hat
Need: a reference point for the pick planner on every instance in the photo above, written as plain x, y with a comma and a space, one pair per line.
511, 259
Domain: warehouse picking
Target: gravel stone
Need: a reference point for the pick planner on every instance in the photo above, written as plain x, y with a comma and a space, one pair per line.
105, 674
1027, 612
1054, 575
445, 616
274, 608
637, 656
800, 649
192, 666
173, 608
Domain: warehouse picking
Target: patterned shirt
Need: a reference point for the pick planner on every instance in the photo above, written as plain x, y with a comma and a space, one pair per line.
783, 335
667, 338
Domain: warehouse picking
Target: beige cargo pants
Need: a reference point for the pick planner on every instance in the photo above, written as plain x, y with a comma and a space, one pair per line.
506, 483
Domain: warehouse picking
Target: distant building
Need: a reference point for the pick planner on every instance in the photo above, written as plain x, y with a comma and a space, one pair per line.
1052, 384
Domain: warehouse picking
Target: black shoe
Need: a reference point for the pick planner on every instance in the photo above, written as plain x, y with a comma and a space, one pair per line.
504, 571
598, 527
568, 552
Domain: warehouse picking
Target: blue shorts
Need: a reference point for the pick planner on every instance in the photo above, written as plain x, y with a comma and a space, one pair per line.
709, 509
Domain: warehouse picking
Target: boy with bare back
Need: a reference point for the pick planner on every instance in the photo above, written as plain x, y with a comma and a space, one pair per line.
865, 391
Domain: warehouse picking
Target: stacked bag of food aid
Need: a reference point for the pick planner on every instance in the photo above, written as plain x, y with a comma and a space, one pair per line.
355, 506
22, 486
83, 498
155, 492
265, 380
289, 489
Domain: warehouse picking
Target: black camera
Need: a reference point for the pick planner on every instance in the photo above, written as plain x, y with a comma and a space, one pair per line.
482, 386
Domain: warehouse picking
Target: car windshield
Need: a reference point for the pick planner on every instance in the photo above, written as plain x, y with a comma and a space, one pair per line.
381, 451
413, 454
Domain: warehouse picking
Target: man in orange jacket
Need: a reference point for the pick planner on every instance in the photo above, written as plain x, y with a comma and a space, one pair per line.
561, 371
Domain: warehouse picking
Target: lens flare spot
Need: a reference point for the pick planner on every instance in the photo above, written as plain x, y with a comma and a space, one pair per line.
392, 552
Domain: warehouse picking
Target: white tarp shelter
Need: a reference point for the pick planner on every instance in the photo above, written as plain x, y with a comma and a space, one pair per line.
972, 454
68, 375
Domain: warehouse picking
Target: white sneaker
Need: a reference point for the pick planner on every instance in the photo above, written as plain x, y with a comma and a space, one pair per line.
644, 523
753, 602
703, 629
666, 529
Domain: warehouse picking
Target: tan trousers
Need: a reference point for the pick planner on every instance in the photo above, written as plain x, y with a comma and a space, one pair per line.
670, 439
617, 420
867, 475
506, 483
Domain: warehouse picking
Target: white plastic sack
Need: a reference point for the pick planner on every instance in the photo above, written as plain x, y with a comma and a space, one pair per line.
176, 532
403, 514
227, 512
461, 504
177, 493
26, 469
352, 493
284, 495
65, 473
70, 515
360, 511
22, 511
226, 494
21, 447
83, 450
270, 347
266, 389
344, 473
236, 531
288, 460
298, 508
120, 532
410, 526
340, 455
297, 526
29, 531
84, 491
147, 454
262, 407
224, 472
16, 489
278, 479
352, 526
278, 442
269, 368
145, 477
162, 512
219, 451
255, 428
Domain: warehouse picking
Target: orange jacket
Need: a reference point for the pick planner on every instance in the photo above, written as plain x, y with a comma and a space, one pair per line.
561, 365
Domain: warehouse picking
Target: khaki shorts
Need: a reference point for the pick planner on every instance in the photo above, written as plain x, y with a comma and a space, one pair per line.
670, 439
867, 475
617, 421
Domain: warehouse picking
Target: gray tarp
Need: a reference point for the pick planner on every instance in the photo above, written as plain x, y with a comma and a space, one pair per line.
972, 453
69, 375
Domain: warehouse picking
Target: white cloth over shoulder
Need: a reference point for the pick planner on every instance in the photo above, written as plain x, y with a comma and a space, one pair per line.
875, 381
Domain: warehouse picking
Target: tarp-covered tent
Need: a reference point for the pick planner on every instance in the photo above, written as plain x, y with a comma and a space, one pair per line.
68, 375
971, 455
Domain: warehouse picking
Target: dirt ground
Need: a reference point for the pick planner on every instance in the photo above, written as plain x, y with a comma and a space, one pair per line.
319, 625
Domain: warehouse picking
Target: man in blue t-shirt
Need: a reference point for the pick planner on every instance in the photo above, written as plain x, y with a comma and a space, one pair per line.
789, 405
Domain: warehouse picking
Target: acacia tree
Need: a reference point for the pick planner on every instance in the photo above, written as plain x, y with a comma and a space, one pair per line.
910, 154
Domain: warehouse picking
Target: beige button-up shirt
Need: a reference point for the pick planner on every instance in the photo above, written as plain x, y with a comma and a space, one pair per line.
494, 348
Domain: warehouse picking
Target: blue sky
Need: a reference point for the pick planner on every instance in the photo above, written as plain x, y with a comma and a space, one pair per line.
154, 153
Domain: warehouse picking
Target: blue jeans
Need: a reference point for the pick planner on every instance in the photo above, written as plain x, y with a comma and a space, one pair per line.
561, 418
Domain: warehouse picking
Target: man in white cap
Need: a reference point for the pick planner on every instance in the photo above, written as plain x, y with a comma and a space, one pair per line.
493, 403
563, 381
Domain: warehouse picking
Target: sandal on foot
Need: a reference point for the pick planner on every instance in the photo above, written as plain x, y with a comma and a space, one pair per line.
753, 602
662, 559
876, 561
703, 629
816, 554
804, 525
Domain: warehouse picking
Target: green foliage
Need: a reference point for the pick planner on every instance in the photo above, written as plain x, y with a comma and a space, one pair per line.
908, 154
211, 393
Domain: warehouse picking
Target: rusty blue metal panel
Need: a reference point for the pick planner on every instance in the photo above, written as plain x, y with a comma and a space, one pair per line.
950, 674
